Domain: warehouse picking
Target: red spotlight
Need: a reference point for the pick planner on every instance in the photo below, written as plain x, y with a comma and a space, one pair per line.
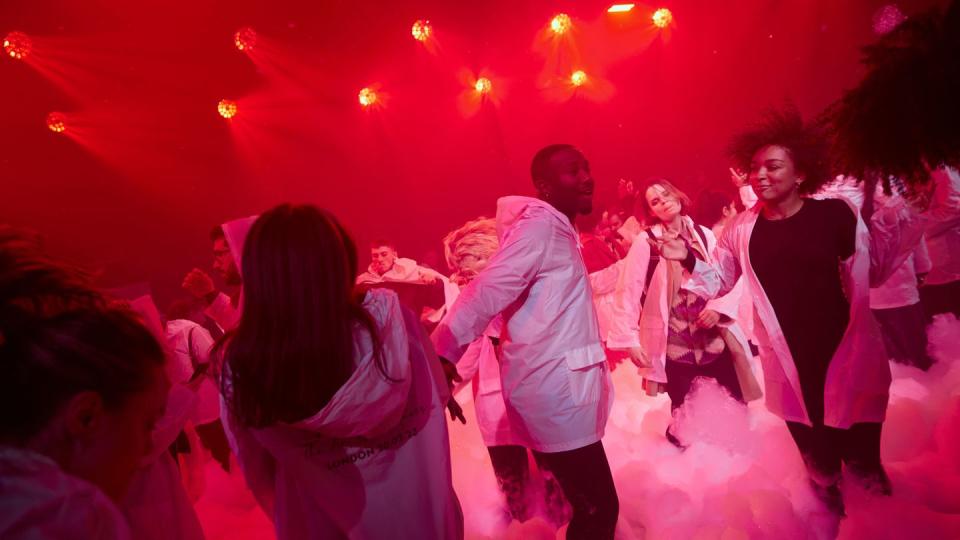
367, 97
227, 108
56, 122
245, 38
560, 23
421, 30
17, 45
620, 8
578, 78
483, 85
662, 18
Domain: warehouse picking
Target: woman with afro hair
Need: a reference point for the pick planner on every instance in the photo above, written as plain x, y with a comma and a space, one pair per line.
807, 264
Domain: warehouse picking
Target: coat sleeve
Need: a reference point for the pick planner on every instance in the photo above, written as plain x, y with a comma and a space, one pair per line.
605, 281
222, 311
508, 275
624, 327
726, 262
181, 402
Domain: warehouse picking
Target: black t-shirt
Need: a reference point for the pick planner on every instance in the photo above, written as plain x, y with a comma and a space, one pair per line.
797, 261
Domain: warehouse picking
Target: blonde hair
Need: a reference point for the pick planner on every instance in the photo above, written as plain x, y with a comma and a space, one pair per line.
463, 248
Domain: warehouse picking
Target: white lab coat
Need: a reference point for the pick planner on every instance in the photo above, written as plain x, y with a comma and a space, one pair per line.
942, 222
38, 500
375, 461
627, 331
480, 369
556, 384
900, 289
858, 379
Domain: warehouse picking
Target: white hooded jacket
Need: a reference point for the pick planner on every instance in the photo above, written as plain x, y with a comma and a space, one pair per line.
375, 461
555, 381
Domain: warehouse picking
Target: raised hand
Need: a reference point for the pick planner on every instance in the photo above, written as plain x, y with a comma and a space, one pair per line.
198, 283
670, 246
738, 178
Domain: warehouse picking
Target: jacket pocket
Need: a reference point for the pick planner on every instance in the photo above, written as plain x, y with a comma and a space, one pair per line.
585, 379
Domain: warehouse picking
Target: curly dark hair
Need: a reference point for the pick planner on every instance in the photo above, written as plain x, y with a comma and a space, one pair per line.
904, 116
807, 144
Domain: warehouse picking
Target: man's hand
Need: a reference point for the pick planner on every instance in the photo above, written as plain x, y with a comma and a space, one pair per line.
450, 372
456, 413
198, 283
708, 318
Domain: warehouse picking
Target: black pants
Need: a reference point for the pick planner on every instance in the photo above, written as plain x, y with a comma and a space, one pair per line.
680, 377
825, 449
905, 334
943, 298
584, 475
513, 476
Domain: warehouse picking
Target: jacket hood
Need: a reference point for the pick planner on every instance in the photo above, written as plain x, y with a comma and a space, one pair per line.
510, 209
369, 404
236, 232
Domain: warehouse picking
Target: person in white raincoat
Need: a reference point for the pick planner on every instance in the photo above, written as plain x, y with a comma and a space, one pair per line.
555, 381
227, 245
334, 405
666, 315
807, 266
86, 383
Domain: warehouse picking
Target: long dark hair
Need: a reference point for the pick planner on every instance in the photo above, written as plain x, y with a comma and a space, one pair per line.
294, 346
59, 338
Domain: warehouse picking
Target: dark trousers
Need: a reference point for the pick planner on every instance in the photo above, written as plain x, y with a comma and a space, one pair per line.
943, 298
905, 334
585, 478
680, 377
513, 476
825, 449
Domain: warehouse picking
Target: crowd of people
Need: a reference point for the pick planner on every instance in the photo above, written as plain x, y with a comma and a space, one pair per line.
330, 385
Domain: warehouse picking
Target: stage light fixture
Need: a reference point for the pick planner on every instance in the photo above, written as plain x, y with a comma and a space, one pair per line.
57, 122
421, 30
578, 78
227, 108
367, 97
561, 23
17, 45
662, 18
620, 8
483, 85
245, 38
